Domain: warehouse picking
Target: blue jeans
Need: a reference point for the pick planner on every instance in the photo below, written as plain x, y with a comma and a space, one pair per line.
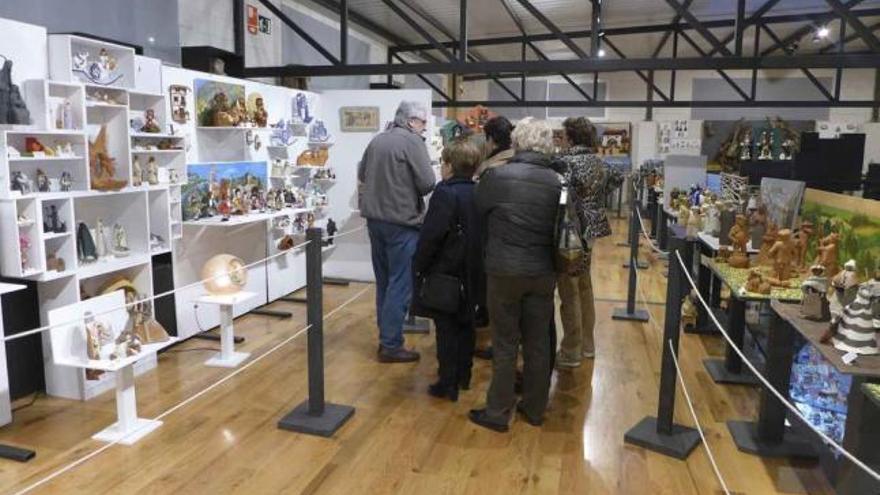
393, 247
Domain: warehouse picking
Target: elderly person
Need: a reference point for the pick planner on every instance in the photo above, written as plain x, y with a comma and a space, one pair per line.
589, 181
519, 204
498, 150
395, 174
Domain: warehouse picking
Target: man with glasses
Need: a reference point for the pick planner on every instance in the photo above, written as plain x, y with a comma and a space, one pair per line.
395, 175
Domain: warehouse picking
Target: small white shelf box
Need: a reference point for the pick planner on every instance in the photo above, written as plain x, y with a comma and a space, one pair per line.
45, 99
64, 47
53, 166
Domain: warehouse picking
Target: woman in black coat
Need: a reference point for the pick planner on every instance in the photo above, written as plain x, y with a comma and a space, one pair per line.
452, 205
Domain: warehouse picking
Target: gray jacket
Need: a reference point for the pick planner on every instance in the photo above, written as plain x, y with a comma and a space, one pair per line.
394, 175
519, 204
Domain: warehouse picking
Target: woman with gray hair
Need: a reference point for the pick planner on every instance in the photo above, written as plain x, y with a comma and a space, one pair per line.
518, 204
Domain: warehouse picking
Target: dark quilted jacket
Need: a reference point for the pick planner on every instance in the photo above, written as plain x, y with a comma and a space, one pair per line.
519, 204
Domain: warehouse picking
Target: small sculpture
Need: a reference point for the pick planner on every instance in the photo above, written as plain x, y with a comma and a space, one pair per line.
694, 223
756, 283
224, 274
152, 171
136, 172
845, 285
66, 181
318, 133
260, 115
739, 239
766, 147
331, 231
24, 246
85, 244
727, 218
758, 226
828, 253
855, 329
783, 253
786, 151
802, 242
53, 224
42, 181
102, 165
33, 145
120, 241
767, 242
745, 146
302, 108
21, 183
127, 344
101, 240
144, 326
173, 176
689, 311
54, 263
151, 125
814, 304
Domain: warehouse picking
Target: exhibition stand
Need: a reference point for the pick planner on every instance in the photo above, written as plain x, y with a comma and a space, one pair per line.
227, 358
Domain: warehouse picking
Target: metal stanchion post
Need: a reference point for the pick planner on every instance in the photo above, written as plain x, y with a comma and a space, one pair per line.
661, 434
634, 237
416, 325
630, 312
314, 416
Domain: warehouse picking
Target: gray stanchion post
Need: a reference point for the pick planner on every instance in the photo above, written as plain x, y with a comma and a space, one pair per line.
315, 416
630, 312
660, 433
416, 325
633, 239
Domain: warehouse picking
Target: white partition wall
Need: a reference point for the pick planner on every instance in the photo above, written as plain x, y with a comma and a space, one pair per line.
351, 259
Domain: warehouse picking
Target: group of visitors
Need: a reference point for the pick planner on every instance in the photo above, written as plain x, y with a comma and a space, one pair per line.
485, 252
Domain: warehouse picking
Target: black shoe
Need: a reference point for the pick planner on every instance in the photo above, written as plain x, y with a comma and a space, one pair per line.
484, 353
442, 391
399, 355
479, 416
525, 416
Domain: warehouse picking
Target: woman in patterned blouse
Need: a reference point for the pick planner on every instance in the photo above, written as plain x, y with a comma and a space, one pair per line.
589, 181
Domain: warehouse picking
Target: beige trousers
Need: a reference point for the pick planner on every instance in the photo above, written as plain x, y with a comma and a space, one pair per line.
578, 315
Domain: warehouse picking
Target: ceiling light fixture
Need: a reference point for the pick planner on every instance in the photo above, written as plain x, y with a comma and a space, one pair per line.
601, 52
823, 32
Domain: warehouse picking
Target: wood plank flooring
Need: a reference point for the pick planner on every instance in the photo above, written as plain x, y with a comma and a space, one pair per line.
401, 441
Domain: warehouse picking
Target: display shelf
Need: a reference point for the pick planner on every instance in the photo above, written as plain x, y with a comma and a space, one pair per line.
154, 135
21, 259
115, 122
100, 104
226, 129
111, 264
66, 49
52, 166
157, 152
51, 101
160, 217
55, 235
45, 159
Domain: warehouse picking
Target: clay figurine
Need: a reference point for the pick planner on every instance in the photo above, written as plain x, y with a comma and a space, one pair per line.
54, 263
101, 240
783, 253
855, 329
152, 171
684, 213
814, 304
53, 224
66, 181
827, 254
24, 246
151, 125
21, 183
745, 147
758, 226
102, 166
120, 241
85, 244
694, 223
688, 311
136, 172
845, 285
739, 239
756, 283
766, 147
802, 242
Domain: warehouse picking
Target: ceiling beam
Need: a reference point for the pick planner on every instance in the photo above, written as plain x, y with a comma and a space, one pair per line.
419, 29
665, 38
821, 87
648, 79
723, 74
537, 14
300, 31
699, 27
846, 14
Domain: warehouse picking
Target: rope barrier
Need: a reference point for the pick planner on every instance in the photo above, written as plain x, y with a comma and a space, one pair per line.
187, 401
767, 384
687, 397
153, 297
648, 237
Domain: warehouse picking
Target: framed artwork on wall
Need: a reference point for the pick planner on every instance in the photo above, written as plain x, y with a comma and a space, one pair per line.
359, 119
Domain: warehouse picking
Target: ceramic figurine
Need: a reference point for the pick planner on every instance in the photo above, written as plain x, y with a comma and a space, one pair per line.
745, 147
144, 326
694, 223
21, 183
739, 239
767, 242
156, 242
757, 284
828, 253
54, 263
331, 231
766, 147
173, 176
66, 181
53, 223
152, 171
102, 166
712, 220
786, 151
85, 244
814, 304
855, 329
120, 241
318, 132
33, 145
136, 172
126, 344
684, 213
783, 253
151, 125
24, 245
845, 285
42, 181
64, 116
260, 115
689, 311
302, 108
101, 240
802, 241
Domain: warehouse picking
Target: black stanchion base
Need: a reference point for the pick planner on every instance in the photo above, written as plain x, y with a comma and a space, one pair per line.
273, 313
679, 444
705, 329
623, 314
238, 339
641, 265
720, 374
336, 281
16, 453
325, 425
294, 299
416, 325
745, 435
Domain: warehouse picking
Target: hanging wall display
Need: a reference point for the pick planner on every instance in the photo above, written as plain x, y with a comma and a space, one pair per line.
359, 119
178, 99
220, 104
222, 189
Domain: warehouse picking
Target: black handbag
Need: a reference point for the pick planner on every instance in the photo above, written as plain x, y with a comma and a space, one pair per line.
439, 291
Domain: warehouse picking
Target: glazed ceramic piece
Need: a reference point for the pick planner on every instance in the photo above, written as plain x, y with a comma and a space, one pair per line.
694, 223
224, 274
85, 244
845, 285
136, 172
814, 305
856, 329
120, 241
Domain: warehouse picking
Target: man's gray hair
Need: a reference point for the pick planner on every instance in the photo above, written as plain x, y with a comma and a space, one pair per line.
410, 110
533, 135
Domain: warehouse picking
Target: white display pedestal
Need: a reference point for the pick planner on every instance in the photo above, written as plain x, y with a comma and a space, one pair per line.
227, 358
128, 428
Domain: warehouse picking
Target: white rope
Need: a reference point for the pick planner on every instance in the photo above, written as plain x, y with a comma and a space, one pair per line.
183, 403
766, 383
690, 404
648, 237
125, 306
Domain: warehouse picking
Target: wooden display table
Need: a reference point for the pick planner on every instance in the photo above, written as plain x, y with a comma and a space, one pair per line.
770, 437
730, 369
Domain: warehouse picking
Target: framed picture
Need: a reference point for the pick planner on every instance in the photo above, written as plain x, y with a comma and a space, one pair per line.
359, 119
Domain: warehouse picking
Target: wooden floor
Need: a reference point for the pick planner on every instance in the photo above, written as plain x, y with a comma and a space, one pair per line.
400, 440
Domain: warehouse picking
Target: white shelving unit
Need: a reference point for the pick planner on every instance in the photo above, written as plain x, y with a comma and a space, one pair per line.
65, 48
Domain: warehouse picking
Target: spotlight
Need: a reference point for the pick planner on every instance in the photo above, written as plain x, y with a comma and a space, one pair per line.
601, 52
822, 32
151, 40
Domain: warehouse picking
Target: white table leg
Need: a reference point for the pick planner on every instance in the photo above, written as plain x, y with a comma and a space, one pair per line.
227, 358
128, 428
